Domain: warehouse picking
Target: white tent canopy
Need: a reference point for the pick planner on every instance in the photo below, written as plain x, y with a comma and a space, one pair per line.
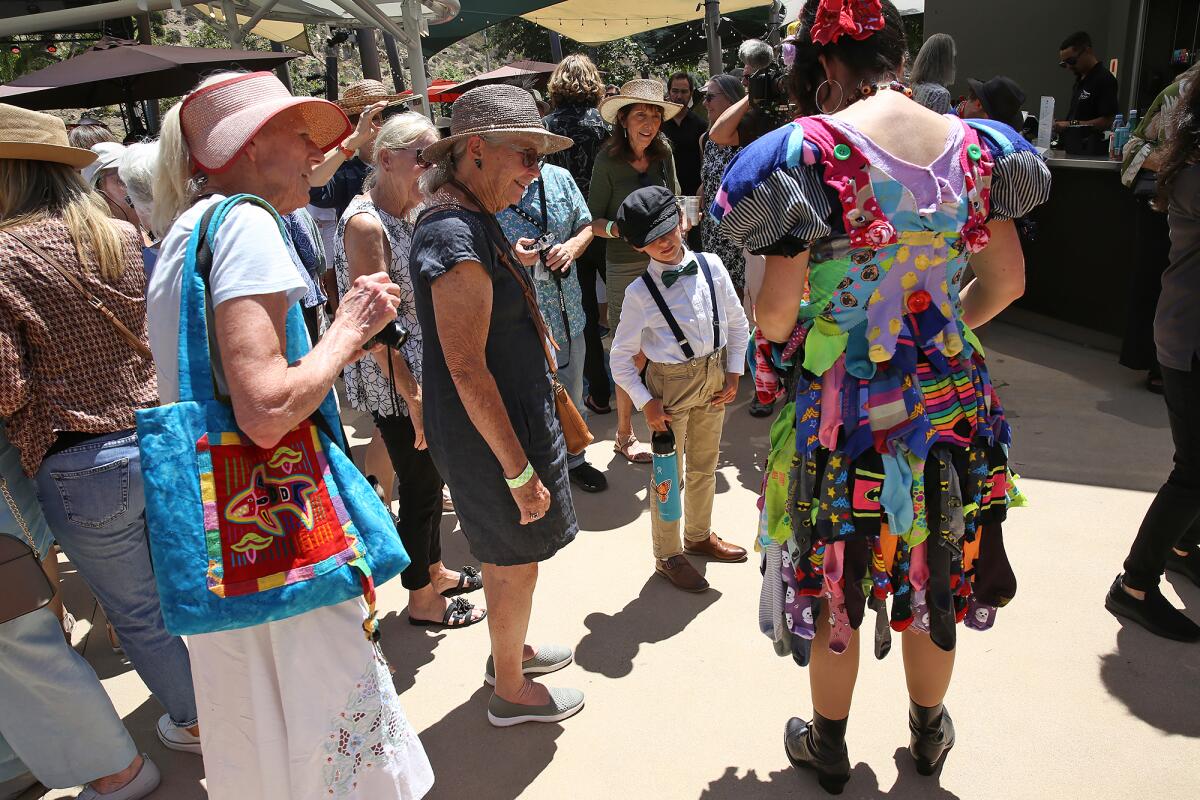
593, 22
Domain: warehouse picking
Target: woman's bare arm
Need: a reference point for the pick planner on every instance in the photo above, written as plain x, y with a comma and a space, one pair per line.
777, 305
999, 276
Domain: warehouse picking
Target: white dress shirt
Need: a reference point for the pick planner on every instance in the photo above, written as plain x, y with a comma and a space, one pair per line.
643, 327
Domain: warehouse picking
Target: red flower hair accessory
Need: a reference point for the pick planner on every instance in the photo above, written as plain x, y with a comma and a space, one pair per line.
857, 19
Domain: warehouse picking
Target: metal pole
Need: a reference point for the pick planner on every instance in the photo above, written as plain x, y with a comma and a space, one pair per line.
555, 46
233, 29
282, 70
712, 21
393, 57
331, 74
368, 52
149, 107
416, 58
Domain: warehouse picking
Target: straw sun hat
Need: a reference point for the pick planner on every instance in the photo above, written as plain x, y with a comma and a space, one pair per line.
640, 90
219, 120
495, 109
31, 136
363, 94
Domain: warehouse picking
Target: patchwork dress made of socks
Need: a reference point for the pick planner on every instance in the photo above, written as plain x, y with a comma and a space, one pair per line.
888, 477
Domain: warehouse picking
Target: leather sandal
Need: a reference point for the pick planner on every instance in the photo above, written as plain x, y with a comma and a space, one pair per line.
469, 580
458, 615
633, 450
595, 407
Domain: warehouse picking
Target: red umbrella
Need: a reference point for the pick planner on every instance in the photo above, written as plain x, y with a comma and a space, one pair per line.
518, 72
438, 93
118, 71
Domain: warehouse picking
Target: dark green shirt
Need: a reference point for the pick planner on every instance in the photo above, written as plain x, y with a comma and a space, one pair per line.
612, 181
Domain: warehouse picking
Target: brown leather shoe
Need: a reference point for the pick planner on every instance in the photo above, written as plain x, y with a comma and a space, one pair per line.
716, 548
680, 572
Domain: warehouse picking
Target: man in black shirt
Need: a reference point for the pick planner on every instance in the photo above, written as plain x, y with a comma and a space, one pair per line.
1094, 97
684, 130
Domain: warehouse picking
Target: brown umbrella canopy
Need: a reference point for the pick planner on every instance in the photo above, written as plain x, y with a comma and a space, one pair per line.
117, 71
518, 72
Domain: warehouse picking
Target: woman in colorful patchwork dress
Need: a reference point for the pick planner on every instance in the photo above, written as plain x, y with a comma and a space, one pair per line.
304, 706
888, 472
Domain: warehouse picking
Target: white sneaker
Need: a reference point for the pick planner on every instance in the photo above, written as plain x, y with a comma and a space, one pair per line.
174, 737
145, 782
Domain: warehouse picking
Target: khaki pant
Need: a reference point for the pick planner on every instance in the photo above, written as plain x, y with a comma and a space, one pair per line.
686, 391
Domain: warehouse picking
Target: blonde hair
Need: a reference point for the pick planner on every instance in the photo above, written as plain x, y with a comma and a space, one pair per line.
177, 181
33, 192
575, 81
400, 132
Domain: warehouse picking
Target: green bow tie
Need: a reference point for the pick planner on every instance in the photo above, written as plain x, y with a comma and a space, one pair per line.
669, 276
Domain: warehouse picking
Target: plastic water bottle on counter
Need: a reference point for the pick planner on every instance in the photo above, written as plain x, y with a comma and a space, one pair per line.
1114, 135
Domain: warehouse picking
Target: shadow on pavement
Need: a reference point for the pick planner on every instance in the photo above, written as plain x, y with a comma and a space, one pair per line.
1158, 680
407, 648
863, 785
659, 612
181, 772
472, 759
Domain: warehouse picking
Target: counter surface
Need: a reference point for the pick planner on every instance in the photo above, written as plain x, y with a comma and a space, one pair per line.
1059, 158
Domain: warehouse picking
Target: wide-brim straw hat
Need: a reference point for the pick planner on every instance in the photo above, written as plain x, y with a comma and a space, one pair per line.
639, 90
218, 121
361, 95
496, 109
32, 136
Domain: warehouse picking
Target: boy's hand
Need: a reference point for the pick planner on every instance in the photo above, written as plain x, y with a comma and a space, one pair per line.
656, 417
728, 393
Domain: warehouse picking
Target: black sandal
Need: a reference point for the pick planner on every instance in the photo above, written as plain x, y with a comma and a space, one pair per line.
469, 580
458, 615
595, 407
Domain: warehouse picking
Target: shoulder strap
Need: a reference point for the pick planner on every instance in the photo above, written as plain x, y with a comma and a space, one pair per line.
684, 345
712, 294
95, 302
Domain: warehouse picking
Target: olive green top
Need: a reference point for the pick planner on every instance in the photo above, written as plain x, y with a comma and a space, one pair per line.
612, 181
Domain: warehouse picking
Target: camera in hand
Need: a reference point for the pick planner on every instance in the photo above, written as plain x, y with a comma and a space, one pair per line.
542, 245
394, 335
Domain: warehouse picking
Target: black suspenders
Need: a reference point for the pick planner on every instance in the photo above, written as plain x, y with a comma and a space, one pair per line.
684, 345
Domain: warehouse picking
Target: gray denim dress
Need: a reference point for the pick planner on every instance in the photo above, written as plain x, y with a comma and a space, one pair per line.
485, 507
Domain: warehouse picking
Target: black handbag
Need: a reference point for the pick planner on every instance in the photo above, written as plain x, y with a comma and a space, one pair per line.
1145, 185
26, 587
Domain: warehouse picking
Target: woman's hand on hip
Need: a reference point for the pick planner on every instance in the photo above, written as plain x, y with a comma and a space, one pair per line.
370, 304
532, 499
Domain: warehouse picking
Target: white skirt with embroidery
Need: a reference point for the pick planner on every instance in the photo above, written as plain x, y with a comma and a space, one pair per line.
304, 708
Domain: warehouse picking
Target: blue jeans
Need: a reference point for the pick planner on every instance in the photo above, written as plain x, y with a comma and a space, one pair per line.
92, 497
55, 716
571, 377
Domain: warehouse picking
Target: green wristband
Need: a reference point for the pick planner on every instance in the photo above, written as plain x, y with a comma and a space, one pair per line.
608, 230
525, 477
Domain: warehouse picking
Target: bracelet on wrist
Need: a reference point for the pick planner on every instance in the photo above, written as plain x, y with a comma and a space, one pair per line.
525, 477
608, 230
346, 152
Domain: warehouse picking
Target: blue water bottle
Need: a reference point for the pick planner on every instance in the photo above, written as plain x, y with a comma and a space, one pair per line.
666, 476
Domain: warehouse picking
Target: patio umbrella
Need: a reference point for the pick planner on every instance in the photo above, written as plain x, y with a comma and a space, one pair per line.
118, 71
518, 72
439, 91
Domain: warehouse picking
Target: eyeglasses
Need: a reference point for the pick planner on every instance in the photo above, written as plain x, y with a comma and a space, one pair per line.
529, 155
710, 96
1069, 62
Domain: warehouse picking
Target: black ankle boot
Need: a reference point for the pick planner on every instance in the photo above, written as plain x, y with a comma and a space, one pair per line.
932, 735
819, 746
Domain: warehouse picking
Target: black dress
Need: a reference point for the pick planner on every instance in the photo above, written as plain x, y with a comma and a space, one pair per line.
485, 507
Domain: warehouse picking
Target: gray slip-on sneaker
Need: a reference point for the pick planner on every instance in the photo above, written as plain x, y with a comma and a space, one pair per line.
548, 658
563, 703
145, 782
176, 738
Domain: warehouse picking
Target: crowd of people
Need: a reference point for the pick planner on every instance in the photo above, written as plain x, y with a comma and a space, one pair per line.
174, 317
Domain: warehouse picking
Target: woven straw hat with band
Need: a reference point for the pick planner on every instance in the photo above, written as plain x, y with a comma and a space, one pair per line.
218, 121
363, 94
639, 90
32, 136
496, 109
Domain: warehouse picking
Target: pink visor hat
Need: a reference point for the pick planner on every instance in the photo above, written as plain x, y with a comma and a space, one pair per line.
218, 121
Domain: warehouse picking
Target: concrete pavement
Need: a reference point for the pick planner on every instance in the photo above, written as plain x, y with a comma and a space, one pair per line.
686, 698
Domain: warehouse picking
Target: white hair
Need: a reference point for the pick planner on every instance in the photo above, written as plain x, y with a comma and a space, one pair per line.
398, 133
137, 173
755, 54
177, 182
935, 61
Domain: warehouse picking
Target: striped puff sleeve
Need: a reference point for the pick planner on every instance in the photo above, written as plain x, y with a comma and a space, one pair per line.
773, 200
1020, 177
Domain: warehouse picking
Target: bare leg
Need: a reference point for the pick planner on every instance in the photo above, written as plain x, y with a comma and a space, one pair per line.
832, 676
377, 462
509, 592
927, 669
624, 414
